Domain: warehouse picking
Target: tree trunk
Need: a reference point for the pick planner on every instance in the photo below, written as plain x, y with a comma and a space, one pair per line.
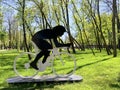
68, 27
24, 31
77, 24
10, 40
113, 30
118, 22
99, 29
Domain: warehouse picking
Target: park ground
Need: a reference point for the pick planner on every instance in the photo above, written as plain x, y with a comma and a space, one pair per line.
99, 72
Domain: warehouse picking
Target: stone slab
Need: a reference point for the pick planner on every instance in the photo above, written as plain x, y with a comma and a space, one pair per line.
46, 78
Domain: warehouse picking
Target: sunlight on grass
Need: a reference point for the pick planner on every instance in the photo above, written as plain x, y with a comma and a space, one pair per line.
99, 72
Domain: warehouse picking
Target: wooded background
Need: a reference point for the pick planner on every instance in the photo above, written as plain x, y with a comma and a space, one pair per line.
92, 24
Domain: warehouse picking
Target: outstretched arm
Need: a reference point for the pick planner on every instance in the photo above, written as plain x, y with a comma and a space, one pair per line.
57, 44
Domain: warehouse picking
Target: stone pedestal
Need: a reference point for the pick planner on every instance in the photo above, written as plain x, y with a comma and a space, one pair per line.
46, 78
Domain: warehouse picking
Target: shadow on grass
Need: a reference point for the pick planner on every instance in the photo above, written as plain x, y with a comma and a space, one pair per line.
34, 86
88, 52
117, 83
79, 67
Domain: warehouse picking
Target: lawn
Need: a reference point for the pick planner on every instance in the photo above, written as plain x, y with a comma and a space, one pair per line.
99, 72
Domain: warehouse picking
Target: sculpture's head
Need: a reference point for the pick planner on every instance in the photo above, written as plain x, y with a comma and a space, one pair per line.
59, 30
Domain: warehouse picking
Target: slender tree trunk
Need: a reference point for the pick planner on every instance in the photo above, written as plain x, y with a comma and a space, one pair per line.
97, 37
28, 27
100, 25
113, 30
118, 22
100, 30
80, 31
87, 38
68, 26
10, 37
63, 13
40, 7
81, 36
56, 14
24, 31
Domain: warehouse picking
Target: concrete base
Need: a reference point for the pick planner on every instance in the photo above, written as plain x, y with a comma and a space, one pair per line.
40, 79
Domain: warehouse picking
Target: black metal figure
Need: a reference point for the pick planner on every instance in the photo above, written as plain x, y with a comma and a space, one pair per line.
42, 38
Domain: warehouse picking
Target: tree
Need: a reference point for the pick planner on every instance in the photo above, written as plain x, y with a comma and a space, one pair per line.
98, 27
65, 13
113, 29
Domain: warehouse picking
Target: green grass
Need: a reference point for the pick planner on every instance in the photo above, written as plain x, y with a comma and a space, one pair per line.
99, 72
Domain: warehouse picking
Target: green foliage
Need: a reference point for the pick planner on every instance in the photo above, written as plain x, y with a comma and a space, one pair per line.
40, 14
99, 72
3, 36
118, 35
90, 27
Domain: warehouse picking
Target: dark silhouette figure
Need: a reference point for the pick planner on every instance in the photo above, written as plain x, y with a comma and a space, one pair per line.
42, 40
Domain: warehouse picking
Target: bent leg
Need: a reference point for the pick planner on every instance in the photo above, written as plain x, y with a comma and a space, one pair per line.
44, 46
33, 63
46, 54
39, 55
